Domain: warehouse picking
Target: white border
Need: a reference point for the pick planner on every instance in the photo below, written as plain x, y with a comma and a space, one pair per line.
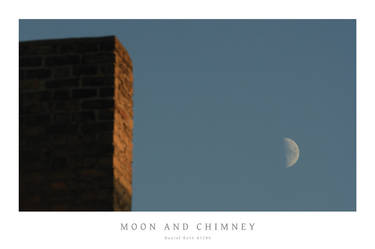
272, 229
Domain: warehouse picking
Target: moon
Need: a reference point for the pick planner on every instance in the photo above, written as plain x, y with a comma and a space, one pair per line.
291, 152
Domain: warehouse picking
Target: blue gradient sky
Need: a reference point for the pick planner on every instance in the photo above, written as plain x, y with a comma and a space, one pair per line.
214, 99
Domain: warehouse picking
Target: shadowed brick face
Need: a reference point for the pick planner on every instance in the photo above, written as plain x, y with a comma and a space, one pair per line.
76, 121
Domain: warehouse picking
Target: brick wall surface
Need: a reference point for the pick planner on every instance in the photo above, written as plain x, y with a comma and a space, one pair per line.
76, 123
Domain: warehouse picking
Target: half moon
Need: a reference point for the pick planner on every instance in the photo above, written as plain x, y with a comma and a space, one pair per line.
291, 152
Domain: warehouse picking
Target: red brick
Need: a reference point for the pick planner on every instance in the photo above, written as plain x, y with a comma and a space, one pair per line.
75, 147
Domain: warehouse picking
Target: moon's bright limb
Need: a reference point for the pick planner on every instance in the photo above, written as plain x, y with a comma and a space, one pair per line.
291, 152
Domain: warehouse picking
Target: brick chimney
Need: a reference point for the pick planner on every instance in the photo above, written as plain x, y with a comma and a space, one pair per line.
76, 121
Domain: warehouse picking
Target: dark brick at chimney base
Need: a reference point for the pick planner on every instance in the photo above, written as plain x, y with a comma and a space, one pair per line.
76, 122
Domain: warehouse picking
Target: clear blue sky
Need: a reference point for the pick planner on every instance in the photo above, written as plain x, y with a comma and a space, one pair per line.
214, 99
